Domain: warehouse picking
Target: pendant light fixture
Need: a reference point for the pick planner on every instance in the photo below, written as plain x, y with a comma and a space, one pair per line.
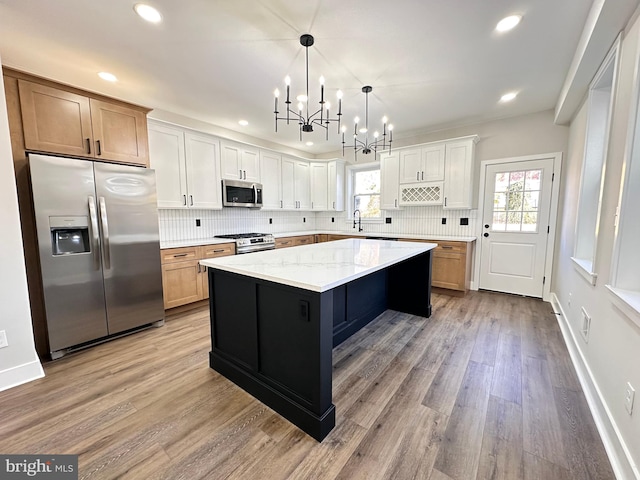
302, 116
366, 146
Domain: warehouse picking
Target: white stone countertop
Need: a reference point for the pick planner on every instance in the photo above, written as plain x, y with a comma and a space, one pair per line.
320, 266
400, 236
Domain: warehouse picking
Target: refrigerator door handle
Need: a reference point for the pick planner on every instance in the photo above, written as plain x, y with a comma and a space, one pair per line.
105, 234
94, 232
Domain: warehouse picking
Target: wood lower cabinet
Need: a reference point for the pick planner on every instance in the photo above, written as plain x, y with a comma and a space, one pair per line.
213, 251
451, 264
284, 242
184, 280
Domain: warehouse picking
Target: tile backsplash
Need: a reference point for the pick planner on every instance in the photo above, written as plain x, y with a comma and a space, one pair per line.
176, 225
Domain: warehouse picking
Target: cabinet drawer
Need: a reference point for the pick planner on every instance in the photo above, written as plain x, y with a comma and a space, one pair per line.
331, 237
284, 242
451, 247
219, 250
172, 255
304, 240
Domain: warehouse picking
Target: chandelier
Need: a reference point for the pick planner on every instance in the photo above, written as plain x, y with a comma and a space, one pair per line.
306, 121
366, 146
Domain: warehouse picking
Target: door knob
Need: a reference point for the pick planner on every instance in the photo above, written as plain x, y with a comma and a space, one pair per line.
486, 225
486, 234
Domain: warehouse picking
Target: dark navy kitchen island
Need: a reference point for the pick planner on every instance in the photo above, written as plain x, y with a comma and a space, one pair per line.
276, 316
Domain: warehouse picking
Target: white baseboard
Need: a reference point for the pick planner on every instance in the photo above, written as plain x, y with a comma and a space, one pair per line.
12, 377
619, 455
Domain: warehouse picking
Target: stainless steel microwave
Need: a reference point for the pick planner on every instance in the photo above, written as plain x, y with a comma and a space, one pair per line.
236, 193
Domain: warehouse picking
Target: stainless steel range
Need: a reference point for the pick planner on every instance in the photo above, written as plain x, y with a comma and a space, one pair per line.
251, 242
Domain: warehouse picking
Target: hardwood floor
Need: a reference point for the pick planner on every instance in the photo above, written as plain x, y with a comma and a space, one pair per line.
484, 389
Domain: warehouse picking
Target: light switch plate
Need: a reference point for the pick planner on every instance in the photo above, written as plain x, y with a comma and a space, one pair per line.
3, 339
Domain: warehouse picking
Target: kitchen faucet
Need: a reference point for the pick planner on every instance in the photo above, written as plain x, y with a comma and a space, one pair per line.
359, 220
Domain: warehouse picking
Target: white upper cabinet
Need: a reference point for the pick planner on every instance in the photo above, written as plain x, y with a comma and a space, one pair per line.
240, 162
390, 181
186, 166
288, 169
439, 173
319, 174
422, 164
460, 179
271, 174
336, 185
295, 184
302, 182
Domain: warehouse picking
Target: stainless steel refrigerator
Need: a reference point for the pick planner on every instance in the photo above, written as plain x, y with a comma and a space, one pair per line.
97, 226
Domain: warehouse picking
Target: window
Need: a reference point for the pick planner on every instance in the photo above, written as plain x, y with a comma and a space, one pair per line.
600, 104
515, 202
365, 191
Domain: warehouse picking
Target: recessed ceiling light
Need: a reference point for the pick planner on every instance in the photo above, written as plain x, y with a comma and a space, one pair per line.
147, 12
507, 97
508, 23
309, 144
244, 123
109, 77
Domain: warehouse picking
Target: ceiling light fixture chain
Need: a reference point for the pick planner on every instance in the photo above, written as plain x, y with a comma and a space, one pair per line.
365, 146
306, 121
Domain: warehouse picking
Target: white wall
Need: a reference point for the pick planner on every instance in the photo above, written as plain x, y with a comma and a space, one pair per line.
509, 137
611, 357
18, 362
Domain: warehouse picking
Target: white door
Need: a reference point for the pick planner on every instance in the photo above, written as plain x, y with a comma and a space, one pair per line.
288, 183
203, 174
319, 186
302, 186
167, 158
271, 181
250, 165
515, 223
230, 161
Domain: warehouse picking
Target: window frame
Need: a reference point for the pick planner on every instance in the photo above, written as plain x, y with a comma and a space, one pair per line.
351, 171
594, 166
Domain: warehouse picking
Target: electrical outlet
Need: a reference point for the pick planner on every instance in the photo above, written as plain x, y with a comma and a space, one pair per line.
464, 221
444, 220
586, 325
387, 220
3, 339
629, 395
570, 294
304, 219
333, 219
270, 221
198, 222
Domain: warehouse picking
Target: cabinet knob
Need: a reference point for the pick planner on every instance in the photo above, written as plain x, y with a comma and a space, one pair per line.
486, 225
486, 234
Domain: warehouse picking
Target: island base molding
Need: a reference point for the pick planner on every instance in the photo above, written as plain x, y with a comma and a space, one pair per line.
317, 426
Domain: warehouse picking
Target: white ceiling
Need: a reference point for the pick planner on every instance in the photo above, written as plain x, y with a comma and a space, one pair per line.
432, 63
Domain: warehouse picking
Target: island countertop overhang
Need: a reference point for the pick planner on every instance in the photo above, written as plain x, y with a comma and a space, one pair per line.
321, 266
